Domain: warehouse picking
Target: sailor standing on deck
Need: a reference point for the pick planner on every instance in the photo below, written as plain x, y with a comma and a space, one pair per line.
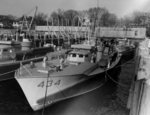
45, 59
61, 62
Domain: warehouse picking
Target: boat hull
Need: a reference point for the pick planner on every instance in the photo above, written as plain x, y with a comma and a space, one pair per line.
44, 91
53, 85
42, 88
26, 45
7, 70
8, 67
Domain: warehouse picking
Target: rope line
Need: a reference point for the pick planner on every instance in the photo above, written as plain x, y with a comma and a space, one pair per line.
125, 63
45, 94
27, 70
8, 72
122, 85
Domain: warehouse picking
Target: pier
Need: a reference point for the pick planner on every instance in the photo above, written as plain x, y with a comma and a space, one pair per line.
139, 102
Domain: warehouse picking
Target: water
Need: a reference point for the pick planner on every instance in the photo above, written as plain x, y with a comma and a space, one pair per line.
13, 102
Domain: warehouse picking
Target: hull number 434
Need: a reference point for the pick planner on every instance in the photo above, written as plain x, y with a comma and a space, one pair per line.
49, 83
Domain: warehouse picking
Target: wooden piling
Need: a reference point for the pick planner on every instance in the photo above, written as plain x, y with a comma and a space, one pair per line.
136, 97
145, 100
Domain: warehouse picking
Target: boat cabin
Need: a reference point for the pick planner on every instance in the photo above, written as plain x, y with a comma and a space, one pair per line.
76, 57
81, 53
7, 53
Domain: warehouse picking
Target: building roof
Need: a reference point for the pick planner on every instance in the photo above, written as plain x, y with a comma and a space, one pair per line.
62, 28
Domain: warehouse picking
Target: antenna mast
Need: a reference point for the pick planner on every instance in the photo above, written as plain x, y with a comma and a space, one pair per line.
95, 18
36, 8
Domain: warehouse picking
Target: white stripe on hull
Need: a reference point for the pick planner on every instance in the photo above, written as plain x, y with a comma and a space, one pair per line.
34, 88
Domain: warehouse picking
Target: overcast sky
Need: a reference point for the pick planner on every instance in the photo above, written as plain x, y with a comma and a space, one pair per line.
119, 7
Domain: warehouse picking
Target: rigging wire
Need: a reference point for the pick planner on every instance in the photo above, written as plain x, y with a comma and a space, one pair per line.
30, 11
132, 60
45, 93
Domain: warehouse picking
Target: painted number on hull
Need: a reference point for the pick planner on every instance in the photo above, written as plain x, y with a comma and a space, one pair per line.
49, 83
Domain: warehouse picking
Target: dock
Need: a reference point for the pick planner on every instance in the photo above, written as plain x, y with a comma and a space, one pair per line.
138, 102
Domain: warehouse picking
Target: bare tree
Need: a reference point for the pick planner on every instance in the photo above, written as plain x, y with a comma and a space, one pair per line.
41, 19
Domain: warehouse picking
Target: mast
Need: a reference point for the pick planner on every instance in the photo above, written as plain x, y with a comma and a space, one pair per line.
96, 21
36, 8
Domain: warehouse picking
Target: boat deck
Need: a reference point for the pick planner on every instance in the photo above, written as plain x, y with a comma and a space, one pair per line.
52, 65
69, 69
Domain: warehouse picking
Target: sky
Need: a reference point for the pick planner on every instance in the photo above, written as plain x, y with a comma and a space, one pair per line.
120, 7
